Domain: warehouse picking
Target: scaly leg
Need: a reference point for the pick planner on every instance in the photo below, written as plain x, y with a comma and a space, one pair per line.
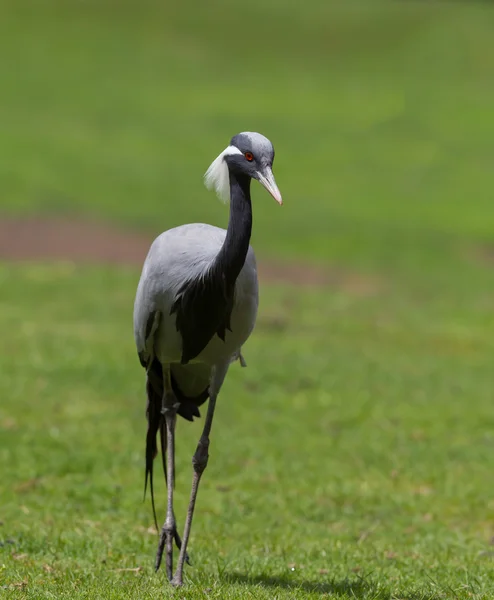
178, 540
169, 530
199, 463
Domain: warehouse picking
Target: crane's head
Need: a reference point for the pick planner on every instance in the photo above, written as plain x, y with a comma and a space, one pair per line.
249, 154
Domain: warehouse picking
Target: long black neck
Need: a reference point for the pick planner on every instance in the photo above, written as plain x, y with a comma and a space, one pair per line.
231, 257
204, 304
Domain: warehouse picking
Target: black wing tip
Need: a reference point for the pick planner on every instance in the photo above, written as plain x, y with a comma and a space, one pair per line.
188, 407
188, 410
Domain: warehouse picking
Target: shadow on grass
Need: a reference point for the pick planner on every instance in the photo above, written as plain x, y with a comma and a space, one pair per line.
358, 588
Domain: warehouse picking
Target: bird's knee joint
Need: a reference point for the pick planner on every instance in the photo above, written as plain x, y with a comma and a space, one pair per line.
169, 527
170, 409
201, 456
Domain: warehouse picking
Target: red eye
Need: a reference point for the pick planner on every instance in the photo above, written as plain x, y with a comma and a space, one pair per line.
249, 156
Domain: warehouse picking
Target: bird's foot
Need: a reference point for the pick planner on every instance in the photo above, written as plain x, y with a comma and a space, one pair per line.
168, 533
166, 541
177, 580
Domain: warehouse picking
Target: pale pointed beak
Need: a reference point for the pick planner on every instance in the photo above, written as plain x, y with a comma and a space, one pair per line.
266, 178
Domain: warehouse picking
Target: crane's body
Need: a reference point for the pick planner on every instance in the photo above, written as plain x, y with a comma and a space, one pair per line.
189, 251
195, 306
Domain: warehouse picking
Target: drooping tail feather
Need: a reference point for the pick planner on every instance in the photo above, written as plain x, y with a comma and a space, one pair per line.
188, 408
154, 389
163, 439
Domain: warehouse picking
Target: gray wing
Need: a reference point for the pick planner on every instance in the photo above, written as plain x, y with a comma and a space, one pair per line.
174, 258
179, 280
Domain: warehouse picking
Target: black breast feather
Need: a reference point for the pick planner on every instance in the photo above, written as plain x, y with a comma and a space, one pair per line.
203, 307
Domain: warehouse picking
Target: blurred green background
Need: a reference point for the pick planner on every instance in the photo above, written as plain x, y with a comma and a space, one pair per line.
381, 114
356, 455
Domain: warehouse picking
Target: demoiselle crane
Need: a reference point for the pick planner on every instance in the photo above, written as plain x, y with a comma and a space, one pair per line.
196, 305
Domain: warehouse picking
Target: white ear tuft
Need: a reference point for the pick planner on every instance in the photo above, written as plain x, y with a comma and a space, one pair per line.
217, 176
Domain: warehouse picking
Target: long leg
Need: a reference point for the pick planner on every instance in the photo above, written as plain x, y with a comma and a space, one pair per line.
178, 539
168, 532
199, 463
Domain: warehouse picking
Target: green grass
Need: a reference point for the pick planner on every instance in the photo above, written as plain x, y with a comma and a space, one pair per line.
354, 457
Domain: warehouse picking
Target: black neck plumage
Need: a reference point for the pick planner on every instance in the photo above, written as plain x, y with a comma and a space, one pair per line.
231, 257
204, 305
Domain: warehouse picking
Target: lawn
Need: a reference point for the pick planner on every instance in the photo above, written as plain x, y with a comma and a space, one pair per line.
353, 458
